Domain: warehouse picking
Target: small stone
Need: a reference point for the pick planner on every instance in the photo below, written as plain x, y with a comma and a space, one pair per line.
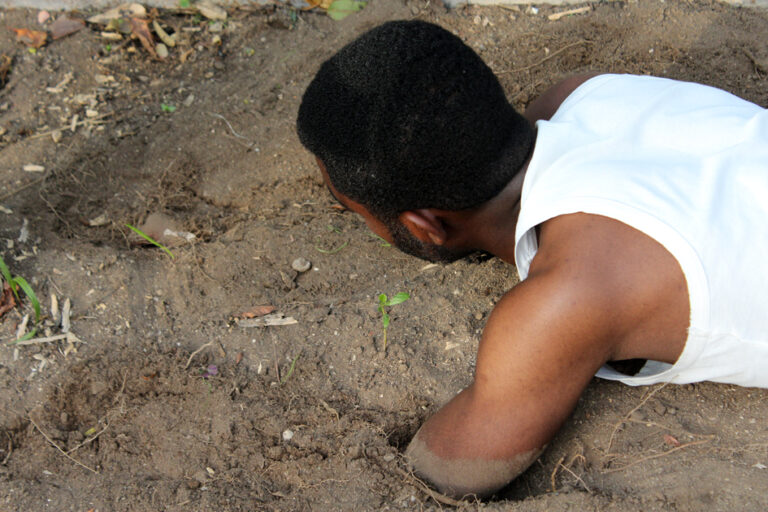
189, 100
216, 27
275, 452
56, 136
193, 484
287, 435
162, 50
478, 316
355, 452
301, 265
660, 409
91, 113
389, 457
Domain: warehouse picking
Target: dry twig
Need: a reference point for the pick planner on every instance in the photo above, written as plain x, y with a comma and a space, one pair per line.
626, 416
438, 497
545, 59
658, 455
193, 354
59, 447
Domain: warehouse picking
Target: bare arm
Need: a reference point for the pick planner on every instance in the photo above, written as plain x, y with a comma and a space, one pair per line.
597, 290
537, 355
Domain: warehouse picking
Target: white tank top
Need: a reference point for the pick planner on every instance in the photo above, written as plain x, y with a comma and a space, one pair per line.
687, 165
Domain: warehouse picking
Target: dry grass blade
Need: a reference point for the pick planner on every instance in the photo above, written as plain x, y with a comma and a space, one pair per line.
59, 447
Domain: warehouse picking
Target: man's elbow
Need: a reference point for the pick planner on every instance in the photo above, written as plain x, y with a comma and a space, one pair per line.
462, 477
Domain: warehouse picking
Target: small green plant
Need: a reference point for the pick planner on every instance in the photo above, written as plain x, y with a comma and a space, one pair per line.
184, 4
383, 242
385, 303
169, 109
150, 239
290, 370
15, 283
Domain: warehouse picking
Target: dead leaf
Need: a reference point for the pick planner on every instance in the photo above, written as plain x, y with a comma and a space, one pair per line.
323, 4
671, 440
140, 28
31, 38
65, 26
7, 302
120, 11
258, 311
210, 11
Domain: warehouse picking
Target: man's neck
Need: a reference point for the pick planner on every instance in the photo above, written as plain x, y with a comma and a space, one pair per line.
492, 226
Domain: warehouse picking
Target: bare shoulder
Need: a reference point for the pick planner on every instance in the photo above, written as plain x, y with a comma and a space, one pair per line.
545, 106
632, 279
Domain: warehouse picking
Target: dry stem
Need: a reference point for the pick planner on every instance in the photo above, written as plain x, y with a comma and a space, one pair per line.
59, 447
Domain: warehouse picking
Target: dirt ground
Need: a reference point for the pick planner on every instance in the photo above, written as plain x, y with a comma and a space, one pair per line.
313, 415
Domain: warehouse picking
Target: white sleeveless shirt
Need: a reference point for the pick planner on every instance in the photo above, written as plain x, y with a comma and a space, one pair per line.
687, 165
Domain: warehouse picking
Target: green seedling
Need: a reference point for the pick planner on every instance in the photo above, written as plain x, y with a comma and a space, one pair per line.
184, 4
331, 251
169, 109
15, 283
385, 303
150, 239
383, 242
290, 370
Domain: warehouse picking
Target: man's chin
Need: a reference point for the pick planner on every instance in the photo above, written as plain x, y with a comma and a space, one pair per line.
432, 253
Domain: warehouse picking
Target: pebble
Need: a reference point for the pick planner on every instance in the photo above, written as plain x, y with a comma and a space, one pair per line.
301, 264
56, 136
162, 50
660, 409
287, 434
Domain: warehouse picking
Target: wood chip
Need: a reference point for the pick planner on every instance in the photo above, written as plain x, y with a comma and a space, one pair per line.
65, 312
556, 16
210, 11
33, 168
267, 320
119, 12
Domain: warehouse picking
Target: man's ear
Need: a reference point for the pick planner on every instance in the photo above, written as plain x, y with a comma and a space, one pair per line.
424, 225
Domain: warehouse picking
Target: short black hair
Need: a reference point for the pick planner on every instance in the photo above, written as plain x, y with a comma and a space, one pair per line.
407, 116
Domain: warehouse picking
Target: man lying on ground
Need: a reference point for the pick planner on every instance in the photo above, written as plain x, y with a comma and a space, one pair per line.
635, 209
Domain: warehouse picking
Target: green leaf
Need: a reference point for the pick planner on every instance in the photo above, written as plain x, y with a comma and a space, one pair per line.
397, 299
383, 299
150, 239
29, 293
340, 9
26, 337
184, 3
332, 251
385, 320
167, 108
290, 370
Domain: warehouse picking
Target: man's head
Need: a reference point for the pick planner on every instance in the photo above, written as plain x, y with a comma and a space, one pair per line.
408, 117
